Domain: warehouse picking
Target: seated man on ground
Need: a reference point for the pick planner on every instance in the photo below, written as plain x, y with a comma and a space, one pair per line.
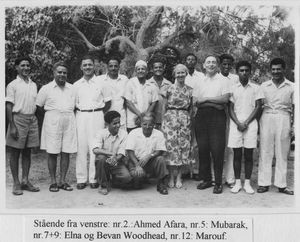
145, 147
109, 149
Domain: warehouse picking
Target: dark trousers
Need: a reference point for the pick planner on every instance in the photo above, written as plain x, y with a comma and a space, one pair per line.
155, 167
104, 172
210, 128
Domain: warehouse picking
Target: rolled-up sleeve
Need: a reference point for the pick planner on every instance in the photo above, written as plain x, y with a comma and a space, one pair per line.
10, 93
161, 142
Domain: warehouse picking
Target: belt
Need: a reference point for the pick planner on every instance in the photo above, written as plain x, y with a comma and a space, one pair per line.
89, 110
182, 109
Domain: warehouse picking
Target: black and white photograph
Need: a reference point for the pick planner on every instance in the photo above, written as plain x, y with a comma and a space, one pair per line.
150, 107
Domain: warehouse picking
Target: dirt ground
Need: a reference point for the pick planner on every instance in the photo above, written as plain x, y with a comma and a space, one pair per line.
186, 197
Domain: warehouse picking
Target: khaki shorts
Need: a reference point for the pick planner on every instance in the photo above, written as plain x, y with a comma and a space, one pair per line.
59, 132
28, 130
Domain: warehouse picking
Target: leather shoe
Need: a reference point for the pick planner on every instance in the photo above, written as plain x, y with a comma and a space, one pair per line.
230, 185
285, 190
81, 186
162, 189
218, 189
203, 185
262, 189
94, 185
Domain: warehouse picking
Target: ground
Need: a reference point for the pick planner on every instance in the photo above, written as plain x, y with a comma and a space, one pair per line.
186, 197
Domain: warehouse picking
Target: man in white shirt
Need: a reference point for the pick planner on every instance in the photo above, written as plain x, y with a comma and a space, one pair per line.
193, 76
161, 84
93, 98
275, 129
226, 64
141, 96
57, 99
117, 85
245, 104
22, 133
145, 147
210, 96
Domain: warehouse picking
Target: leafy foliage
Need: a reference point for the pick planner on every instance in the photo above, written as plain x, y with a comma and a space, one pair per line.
49, 34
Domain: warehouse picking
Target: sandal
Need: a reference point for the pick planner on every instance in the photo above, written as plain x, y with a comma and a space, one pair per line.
29, 187
285, 190
53, 187
65, 186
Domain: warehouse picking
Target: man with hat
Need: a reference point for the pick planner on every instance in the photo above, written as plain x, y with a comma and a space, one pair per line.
141, 96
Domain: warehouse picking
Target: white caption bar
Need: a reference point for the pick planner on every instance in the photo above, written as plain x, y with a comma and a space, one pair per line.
137, 227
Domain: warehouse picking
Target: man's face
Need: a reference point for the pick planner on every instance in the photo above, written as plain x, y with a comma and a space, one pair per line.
277, 72
244, 73
210, 65
190, 62
60, 75
113, 67
114, 126
141, 71
147, 126
226, 66
87, 67
23, 68
158, 69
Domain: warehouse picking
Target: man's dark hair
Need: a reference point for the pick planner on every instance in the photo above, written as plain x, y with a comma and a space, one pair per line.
157, 59
242, 63
88, 57
109, 58
110, 116
59, 63
190, 54
278, 61
22, 58
226, 57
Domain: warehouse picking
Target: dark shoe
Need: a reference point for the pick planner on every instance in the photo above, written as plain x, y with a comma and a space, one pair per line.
262, 189
218, 189
29, 187
17, 190
94, 185
230, 185
65, 186
81, 186
162, 189
203, 185
285, 190
53, 187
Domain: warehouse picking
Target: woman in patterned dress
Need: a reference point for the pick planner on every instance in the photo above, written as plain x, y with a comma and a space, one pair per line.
176, 125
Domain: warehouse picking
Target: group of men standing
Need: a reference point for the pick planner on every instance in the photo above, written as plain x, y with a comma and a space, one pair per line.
94, 116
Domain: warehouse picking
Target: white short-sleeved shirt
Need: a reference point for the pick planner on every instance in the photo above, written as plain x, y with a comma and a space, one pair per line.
164, 85
232, 79
211, 87
192, 80
53, 97
115, 144
91, 94
244, 98
142, 145
278, 98
141, 96
117, 89
22, 95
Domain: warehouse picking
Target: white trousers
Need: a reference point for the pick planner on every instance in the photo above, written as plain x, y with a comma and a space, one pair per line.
274, 139
88, 124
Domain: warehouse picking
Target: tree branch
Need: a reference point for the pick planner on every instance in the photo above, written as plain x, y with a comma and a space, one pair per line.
150, 22
86, 41
122, 39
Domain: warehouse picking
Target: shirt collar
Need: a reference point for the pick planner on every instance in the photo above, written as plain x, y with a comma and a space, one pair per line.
108, 78
285, 82
21, 79
91, 80
54, 84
